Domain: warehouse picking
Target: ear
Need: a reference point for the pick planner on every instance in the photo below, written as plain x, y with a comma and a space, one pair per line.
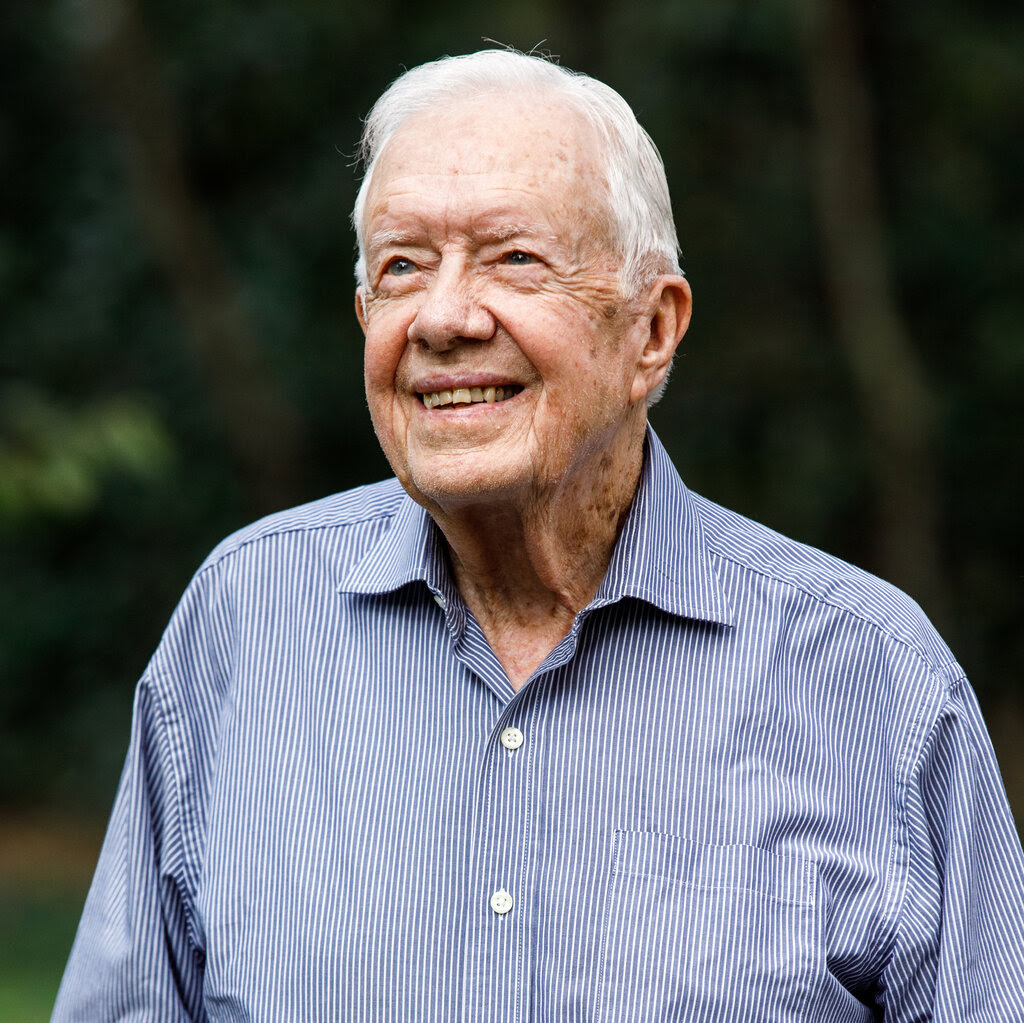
361, 308
667, 317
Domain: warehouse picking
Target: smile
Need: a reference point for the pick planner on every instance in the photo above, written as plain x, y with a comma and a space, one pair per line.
468, 396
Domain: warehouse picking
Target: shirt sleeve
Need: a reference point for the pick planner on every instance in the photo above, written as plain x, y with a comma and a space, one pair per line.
135, 957
959, 950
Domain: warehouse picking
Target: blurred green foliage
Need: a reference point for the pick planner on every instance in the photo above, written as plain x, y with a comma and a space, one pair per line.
117, 466
55, 460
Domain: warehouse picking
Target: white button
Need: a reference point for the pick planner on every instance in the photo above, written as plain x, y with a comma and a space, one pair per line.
440, 600
511, 738
501, 902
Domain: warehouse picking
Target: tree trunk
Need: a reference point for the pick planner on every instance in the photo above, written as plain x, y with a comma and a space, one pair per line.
260, 428
891, 386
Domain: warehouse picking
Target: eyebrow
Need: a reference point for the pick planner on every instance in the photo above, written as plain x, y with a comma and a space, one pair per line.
499, 233
502, 232
390, 236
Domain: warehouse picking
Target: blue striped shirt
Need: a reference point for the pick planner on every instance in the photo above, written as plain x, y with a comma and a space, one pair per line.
750, 784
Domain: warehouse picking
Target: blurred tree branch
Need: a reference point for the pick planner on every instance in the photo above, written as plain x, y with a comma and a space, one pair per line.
893, 392
260, 427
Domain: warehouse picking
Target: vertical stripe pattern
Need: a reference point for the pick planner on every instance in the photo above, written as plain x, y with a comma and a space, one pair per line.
750, 784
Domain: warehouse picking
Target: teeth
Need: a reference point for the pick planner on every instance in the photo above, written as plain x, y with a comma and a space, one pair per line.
467, 396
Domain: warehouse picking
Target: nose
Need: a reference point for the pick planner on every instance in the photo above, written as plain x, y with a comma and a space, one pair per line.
451, 311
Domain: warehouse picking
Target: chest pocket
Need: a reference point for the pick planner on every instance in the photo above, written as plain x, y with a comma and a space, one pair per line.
696, 932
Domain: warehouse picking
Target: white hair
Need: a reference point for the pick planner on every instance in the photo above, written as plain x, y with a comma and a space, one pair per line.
641, 229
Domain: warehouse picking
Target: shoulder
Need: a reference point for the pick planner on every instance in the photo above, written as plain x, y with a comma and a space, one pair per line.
365, 509
757, 560
286, 564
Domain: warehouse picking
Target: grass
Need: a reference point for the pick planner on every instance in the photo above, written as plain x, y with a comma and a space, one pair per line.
45, 866
36, 931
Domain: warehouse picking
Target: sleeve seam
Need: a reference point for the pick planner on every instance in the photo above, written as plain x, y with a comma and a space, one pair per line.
889, 934
184, 839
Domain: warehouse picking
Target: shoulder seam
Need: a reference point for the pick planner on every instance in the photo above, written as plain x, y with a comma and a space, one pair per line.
213, 562
950, 679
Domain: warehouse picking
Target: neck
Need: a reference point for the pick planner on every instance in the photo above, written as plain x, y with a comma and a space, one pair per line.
526, 568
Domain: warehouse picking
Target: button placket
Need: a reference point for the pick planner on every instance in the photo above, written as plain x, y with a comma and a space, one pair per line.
511, 738
493, 989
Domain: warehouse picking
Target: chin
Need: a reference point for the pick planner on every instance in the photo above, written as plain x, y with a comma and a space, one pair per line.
457, 483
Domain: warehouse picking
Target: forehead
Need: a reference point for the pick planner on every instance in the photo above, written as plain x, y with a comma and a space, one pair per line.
489, 152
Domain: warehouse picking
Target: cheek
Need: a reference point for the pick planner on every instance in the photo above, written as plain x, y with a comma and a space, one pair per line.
385, 414
382, 353
375, 366
580, 358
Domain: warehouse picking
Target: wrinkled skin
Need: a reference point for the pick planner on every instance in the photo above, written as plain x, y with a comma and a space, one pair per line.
487, 265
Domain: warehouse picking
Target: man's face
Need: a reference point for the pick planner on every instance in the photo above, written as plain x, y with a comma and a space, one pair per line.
501, 358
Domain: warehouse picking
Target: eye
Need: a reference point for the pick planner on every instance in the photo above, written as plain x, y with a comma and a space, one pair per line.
518, 258
399, 266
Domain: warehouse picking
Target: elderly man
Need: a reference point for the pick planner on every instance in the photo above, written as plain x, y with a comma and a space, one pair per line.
532, 732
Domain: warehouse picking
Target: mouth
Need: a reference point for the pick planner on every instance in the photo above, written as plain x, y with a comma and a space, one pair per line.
468, 396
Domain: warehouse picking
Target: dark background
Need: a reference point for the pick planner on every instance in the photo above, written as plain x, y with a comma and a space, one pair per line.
178, 352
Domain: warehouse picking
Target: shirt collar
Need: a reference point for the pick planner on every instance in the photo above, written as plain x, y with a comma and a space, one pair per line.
661, 556
409, 550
